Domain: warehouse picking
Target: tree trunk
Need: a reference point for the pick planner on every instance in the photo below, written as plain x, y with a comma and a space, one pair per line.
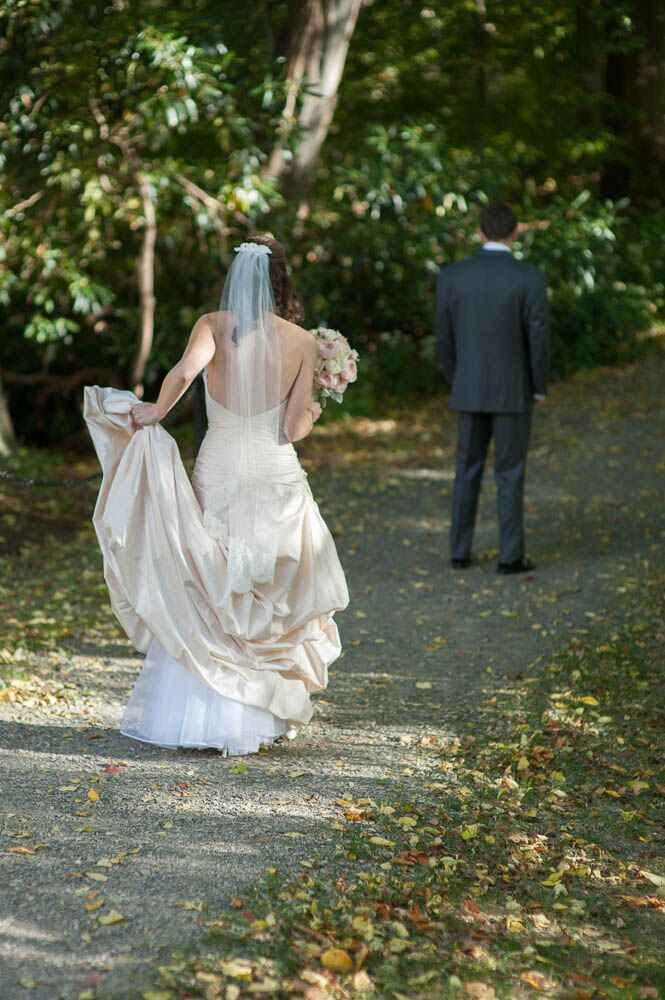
316, 42
146, 286
481, 58
7, 437
635, 86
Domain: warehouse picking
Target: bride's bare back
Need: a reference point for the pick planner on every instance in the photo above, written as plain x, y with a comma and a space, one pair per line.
294, 368
206, 349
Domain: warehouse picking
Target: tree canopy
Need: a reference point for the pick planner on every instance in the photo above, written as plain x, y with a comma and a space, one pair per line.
139, 141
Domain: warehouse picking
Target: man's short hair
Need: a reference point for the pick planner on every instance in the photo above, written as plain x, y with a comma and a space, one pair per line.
498, 221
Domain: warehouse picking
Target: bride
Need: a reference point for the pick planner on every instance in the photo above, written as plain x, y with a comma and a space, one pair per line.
227, 584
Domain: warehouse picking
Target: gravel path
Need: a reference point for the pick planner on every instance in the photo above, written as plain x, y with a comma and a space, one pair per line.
174, 834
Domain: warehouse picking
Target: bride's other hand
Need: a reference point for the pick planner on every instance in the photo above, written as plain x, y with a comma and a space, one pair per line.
145, 414
315, 409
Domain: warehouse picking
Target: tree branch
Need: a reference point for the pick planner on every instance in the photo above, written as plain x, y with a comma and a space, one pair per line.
22, 205
146, 284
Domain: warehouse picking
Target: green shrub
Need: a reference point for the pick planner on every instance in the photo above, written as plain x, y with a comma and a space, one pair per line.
408, 204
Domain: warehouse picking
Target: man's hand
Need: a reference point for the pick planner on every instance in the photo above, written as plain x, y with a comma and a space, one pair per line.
145, 415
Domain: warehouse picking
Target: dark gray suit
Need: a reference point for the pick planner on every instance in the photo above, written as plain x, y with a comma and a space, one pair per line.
492, 333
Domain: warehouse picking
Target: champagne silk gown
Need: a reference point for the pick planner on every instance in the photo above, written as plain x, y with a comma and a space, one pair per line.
230, 663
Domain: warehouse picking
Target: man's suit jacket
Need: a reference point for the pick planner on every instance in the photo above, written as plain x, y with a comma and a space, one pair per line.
492, 332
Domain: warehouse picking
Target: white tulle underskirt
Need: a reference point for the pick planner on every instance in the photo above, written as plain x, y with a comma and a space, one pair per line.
170, 707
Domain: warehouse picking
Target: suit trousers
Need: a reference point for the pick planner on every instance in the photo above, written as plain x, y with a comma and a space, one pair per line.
511, 441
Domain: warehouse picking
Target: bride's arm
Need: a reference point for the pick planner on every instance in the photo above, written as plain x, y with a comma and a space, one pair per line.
301, 411
198, 353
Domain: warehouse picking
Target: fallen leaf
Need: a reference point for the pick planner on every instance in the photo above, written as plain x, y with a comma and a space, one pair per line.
235, 969
337, 960
362, 982
537, 980
480, 991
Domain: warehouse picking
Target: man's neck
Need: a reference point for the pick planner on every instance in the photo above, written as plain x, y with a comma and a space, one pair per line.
502, 246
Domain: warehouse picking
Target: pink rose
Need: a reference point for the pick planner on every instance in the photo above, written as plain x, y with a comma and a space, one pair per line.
327, 349
340, 383
325, 379
350, 370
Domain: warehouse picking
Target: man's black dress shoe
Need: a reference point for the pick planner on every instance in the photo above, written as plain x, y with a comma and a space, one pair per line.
460, 563
522, 565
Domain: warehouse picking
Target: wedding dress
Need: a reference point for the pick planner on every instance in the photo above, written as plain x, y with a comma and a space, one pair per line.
228, 583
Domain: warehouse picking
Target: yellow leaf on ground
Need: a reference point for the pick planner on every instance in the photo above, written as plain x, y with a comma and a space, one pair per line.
381, 842
424, 977
364, 926
337, 960
407, 821
361, 982
267, 985
97, 876
112, 917
235, 969
93, 795
537, 980
423, 685
480, 991
653, 878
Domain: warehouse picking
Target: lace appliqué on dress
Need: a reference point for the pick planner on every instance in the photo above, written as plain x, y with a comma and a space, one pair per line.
214, 527
247, 565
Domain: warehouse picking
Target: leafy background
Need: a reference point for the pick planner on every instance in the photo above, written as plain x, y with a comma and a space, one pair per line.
109, 109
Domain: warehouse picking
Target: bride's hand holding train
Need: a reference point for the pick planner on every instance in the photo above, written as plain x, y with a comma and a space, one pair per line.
199, 352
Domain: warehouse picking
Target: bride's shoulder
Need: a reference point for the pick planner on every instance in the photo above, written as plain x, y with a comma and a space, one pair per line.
211, 319
296, 335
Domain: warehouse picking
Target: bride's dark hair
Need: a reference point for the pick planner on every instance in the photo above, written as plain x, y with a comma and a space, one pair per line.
287, 303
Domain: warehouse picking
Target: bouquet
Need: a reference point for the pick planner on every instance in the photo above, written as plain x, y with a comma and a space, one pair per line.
336, 366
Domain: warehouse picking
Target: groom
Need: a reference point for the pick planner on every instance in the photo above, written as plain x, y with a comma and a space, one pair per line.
492, 333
